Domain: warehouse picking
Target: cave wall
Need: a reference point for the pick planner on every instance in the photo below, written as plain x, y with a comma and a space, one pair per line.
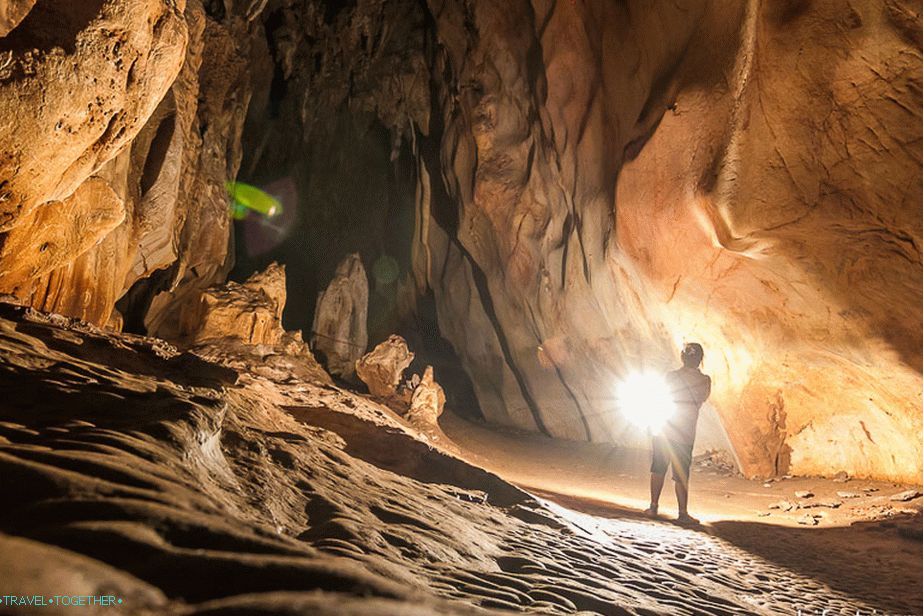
629, 176
128, 116
570, 189
596, 182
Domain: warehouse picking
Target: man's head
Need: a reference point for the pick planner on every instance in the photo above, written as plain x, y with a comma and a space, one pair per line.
692, 354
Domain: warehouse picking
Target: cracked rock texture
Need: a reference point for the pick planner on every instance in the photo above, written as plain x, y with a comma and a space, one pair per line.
128, 120
570, 189
630, 176
340, 330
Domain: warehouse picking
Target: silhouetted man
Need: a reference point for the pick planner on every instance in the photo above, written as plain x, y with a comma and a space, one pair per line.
673, 446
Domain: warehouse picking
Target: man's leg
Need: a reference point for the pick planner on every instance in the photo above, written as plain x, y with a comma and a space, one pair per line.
659, 462
682, 497
682, 465
656, 489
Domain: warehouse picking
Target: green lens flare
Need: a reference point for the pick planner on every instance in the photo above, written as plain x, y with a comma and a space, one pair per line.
246, 198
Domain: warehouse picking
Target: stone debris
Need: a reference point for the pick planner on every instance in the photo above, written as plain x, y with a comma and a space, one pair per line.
428, 401
804, 494
843, 494
815, 504
869, 490
784, 505
720, 461
382, 368
841, 477
907, 495
809, 520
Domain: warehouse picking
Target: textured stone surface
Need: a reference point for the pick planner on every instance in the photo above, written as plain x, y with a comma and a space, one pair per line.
666, 175
12, 12
172, 134
56, 233
340, 329
90, 74
250, 312
428, 400
212, 154
593, 184
382, 368
143, 472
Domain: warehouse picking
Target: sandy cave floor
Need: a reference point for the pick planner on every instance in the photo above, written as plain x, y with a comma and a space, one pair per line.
185, 487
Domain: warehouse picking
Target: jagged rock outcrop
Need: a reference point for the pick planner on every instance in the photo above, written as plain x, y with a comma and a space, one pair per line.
240, 325
382, 368
250, 312
427, 401
340, 330
152, 102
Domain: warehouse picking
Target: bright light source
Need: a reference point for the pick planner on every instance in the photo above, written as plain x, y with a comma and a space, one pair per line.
645, 400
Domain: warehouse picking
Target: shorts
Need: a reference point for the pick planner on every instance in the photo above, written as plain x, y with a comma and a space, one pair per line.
665, 453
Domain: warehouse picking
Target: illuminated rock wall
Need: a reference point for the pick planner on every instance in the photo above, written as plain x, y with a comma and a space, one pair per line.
595, 182
128, 116
628, 177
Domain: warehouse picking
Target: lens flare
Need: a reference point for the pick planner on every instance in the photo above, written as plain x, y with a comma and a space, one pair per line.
645, 400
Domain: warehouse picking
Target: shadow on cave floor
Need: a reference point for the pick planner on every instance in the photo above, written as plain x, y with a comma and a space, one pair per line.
879, 561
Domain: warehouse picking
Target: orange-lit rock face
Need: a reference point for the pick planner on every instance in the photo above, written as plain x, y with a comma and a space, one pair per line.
630, 176
781, 222
145, 97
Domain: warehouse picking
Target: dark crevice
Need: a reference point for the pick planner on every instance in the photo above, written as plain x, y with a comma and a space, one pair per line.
157, 154
480, 283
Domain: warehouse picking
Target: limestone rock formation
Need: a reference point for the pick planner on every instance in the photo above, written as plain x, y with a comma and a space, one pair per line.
340, 331
12, 12
666, 176
575, 187
382, 368
56, 233
156, 112
250, 312
87, 92
428, 400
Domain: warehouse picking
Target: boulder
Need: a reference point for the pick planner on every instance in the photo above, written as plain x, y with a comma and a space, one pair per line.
339, 333
250, 312
382, 368
427, 401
